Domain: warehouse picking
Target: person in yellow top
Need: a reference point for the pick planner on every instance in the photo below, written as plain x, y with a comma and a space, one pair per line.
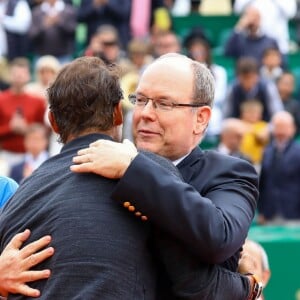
256, 131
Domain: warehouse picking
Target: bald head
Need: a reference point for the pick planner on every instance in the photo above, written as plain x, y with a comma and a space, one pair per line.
283, 126
191, 74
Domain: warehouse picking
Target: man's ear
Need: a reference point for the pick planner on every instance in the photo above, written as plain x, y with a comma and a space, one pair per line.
118, 114
53, 122
202, 119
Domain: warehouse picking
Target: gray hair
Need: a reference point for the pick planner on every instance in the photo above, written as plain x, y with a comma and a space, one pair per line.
204, 82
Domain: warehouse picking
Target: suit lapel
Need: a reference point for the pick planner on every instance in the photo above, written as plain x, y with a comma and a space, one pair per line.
186, 166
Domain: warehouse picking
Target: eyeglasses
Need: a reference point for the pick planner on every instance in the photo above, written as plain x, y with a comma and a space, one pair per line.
160, 104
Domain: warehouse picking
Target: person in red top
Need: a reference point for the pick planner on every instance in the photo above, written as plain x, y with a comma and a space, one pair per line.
17, 110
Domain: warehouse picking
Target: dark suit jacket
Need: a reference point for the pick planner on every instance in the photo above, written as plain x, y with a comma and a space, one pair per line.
101, 250
209, 223
280, 183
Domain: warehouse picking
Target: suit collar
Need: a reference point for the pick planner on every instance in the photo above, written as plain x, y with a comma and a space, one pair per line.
186, 166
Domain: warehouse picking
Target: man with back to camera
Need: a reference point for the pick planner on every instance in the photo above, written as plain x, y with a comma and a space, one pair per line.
247, 181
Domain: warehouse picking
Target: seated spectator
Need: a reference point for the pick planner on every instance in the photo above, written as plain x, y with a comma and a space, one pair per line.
279, 187
36, 143
164, 42
231, 137
46, 69
247, 38
256, 131
52, 31
7, 188
254, 259
286, 87
271, 64
200, 50
18, 109
106, 45
249, 85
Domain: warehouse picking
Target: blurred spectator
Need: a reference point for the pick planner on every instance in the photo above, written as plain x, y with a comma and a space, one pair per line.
7, 188
231, 137
199, 50
286, 87
17, 110
254, 259
275, 16
46, 69
116, 13
164, 42
36, 143
247, 38
53, 30
249, 85
15, 20
255, 131
106, 45
271, 64
142, 17
279, 187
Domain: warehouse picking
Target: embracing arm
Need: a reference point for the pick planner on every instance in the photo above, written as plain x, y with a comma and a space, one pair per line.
212, 219
15, 264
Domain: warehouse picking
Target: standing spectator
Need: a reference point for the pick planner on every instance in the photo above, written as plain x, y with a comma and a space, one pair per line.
280, 173
116, 13
249, 85
247, 38
36, 143
286, 87
15, 20
17, 110
53, 30
275, 16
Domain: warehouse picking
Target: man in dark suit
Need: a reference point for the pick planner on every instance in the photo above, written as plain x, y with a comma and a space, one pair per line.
280, 173
210, 216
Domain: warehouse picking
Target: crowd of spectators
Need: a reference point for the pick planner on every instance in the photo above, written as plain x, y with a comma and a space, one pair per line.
38, 37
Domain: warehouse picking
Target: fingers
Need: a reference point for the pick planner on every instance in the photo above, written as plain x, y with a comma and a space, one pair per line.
18, 240
28, 291
36, 258
81, 167
35, 246
30, 276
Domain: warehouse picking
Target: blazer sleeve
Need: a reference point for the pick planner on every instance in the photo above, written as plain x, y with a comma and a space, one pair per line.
212, 231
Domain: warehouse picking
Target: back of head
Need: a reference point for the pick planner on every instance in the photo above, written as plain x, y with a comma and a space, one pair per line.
83, 96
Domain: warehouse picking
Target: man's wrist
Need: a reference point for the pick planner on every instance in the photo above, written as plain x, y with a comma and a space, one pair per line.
255, 286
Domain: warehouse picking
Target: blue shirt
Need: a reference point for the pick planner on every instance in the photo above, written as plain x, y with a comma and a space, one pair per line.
7, 188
